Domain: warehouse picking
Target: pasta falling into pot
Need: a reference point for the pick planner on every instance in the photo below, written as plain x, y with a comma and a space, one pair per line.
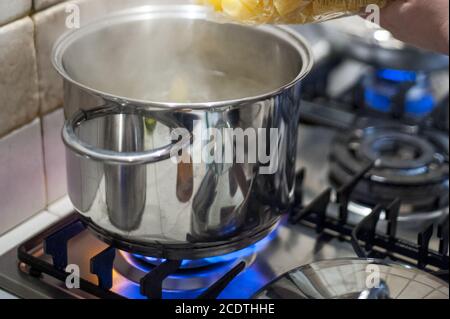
289, 11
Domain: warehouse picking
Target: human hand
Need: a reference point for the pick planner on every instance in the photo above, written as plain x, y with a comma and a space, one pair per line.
423, 23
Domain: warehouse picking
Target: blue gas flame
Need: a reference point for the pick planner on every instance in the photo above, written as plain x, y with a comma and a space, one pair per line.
187, 263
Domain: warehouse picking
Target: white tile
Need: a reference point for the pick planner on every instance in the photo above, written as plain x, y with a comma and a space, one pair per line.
22, 184
54, 155
18, 75
61, 208
13, 9
49, 25
25, 231
42, 4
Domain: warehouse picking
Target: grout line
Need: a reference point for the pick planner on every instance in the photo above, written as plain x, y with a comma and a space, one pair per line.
44, 168
41, 119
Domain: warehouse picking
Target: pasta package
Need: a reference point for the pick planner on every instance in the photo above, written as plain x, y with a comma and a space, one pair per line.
289, 11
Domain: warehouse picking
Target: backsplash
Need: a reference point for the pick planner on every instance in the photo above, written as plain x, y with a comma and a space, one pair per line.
32, 160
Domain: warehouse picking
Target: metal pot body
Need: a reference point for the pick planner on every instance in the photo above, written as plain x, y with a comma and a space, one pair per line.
123, 165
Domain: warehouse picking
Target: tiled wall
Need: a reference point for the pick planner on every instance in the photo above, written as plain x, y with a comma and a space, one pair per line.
32, 163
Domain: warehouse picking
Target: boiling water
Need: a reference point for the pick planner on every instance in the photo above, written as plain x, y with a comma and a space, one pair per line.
181, 61
199, 85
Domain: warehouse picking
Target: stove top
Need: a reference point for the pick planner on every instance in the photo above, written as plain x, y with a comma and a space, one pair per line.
282, 251
310, 233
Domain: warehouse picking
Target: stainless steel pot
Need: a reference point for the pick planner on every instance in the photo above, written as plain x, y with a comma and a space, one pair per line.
131, 78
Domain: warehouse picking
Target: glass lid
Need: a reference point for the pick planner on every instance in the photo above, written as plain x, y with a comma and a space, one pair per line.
355, 279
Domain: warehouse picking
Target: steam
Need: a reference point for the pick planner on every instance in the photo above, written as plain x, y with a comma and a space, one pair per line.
175, 59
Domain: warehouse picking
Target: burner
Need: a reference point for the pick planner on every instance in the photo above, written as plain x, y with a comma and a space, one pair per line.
193, 275
399, 92
411, 165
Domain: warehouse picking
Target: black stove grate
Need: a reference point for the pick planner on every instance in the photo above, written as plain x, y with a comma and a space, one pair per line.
101, 265
366, 241
37, 267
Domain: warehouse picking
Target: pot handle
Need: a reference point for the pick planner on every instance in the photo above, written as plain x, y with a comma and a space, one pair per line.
72, 141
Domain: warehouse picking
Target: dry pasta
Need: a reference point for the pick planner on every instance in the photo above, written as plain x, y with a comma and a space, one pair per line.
288, 11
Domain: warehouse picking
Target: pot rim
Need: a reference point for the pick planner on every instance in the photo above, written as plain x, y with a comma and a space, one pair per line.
188, 11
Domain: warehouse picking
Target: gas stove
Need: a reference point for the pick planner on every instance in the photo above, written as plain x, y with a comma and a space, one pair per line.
325, 225
372, 182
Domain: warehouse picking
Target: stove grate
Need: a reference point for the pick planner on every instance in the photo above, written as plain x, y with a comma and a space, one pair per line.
102, 266
55, 245
366, 241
